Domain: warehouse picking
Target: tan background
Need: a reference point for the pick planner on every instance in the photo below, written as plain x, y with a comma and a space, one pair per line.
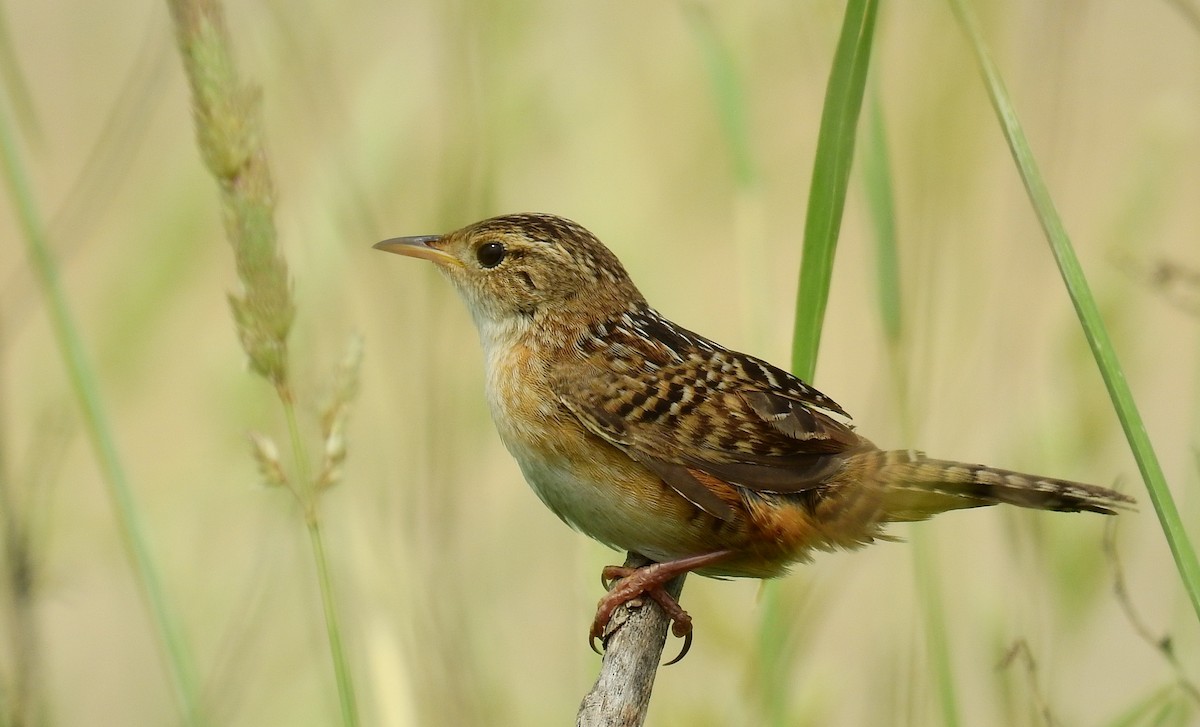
464, 601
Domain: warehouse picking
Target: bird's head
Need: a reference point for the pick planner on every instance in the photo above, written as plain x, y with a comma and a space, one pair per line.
524, 267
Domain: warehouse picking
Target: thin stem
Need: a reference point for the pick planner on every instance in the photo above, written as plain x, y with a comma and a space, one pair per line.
228, 131
299, 454
1088, 313
87, 392
305, 493
341, 667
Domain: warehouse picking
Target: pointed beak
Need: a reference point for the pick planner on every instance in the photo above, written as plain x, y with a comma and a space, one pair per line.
419, 246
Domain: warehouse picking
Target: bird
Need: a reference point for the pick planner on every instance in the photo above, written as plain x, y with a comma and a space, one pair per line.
655, 440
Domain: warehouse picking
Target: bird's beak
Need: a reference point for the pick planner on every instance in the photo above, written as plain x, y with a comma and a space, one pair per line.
419, 246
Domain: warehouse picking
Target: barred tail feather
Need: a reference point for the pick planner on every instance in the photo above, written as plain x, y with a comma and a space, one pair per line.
917, 487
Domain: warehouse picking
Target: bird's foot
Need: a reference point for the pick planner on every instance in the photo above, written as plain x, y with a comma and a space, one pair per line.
626, 583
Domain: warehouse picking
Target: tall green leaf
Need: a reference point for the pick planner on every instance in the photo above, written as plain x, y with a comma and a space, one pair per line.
1087, 311
826, 201
831, 174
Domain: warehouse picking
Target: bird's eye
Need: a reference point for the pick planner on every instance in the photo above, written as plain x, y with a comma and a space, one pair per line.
490, 254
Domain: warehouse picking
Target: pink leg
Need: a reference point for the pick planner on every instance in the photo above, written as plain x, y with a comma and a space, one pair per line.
650, 580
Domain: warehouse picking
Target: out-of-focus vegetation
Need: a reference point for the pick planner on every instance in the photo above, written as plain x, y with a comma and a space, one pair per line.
464, 601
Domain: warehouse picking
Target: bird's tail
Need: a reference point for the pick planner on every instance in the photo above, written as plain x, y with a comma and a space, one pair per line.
916, 487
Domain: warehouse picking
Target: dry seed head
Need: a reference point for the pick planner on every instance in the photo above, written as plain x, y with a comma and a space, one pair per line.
266, 455
336, 410
343, 387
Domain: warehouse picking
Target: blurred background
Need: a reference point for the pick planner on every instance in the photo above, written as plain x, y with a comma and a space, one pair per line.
682, 134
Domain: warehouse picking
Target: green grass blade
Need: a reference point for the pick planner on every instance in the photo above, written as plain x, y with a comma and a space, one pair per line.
831, 174
826, 201
1088, 313
87, 392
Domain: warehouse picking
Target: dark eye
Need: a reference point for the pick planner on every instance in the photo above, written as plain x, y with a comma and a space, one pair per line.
490, 254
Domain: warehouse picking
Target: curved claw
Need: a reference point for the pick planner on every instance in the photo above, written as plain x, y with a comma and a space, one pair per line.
625, 583
686, 635
609, 575
687, 646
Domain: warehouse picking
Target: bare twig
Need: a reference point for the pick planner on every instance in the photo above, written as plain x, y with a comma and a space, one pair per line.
633, 646
1162, 644
1020, 650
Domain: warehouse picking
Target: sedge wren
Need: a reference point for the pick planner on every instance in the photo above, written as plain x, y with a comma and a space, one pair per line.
655, 440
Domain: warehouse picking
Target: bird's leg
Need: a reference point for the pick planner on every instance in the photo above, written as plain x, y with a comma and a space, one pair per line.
650, 580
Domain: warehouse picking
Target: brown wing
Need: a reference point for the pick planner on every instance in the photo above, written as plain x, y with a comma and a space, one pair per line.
684, 406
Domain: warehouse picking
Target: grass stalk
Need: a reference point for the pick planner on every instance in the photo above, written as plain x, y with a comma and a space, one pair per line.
307, 496
229, 135
826, 202
1087, 311
82, 376
831, 175
341, 665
